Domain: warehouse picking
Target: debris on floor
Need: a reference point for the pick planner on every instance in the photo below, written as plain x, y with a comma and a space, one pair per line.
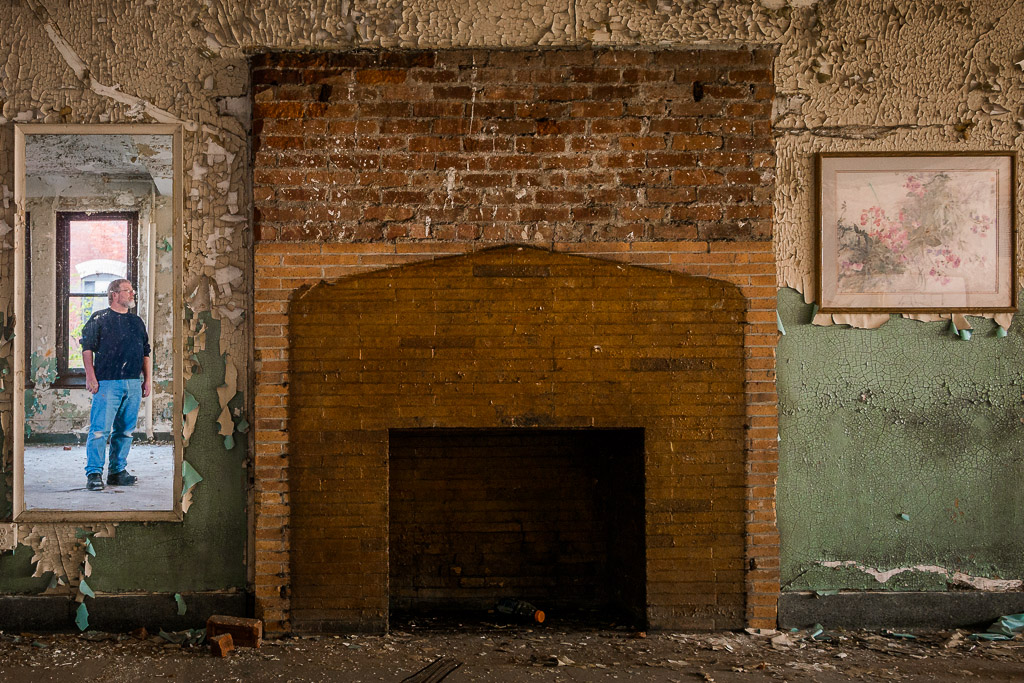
221, 645
244, 632
426, 650
520, 608
1005, 628
436, 671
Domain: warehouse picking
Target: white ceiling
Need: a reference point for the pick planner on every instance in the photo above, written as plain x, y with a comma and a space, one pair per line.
116, 157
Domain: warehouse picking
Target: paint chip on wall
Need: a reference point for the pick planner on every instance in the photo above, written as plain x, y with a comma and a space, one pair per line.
8, 536
82, 617
189, 478
181, 604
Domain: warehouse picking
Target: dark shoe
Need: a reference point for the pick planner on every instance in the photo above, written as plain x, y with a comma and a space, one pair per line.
94, 482
121, 478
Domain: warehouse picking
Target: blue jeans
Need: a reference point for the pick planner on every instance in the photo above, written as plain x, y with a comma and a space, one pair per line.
115, 410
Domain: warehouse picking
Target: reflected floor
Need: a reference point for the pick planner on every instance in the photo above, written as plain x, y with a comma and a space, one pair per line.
55, 479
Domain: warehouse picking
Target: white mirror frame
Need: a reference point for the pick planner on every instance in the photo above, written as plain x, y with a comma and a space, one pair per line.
21, 131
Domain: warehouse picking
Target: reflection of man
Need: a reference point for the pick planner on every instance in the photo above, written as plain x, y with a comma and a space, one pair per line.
115, 350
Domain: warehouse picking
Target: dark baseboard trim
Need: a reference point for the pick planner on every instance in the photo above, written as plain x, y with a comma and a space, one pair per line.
891, 609
119, 613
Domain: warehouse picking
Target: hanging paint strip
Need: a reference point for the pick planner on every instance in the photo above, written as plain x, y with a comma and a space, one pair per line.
82, 617
189, 478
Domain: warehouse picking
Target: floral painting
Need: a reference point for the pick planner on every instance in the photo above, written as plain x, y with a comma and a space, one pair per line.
916, 232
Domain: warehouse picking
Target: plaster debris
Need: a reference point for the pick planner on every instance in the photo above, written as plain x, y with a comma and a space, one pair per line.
61, 549
958, 578
227, 275
8, 537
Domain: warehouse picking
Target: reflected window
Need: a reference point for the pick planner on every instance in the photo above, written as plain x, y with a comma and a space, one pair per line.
93, 250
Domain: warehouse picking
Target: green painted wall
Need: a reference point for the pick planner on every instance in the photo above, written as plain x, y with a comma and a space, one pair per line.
903, 420
204, 552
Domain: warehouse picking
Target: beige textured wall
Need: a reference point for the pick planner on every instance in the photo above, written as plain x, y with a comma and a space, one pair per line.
850, 75
879, 75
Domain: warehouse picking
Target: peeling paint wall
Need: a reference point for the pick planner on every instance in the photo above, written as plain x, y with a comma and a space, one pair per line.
879, 75
900, 464
126, 62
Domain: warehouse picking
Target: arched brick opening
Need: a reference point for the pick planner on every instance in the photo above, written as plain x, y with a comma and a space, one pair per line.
518, 338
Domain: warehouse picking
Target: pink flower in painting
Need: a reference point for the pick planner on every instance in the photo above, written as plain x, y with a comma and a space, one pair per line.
913, 186
854, 267
944, 260
888, 232
980, 224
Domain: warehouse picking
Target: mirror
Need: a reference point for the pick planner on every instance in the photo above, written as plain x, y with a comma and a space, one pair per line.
97, 346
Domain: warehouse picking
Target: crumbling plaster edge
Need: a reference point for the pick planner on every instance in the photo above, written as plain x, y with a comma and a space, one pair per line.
956, 578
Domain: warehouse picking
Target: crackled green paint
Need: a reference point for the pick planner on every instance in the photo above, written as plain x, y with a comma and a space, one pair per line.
206, 550
43, 370
906, 419
32, 404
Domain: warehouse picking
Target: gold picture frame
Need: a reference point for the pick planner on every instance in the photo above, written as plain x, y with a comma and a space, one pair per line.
921, 232
91, 137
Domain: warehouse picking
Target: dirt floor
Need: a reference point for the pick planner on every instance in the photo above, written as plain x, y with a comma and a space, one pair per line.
502, 652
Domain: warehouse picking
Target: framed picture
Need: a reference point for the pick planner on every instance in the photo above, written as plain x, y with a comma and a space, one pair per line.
921, 232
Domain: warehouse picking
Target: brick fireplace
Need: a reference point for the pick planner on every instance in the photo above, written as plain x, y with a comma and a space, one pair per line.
514, 335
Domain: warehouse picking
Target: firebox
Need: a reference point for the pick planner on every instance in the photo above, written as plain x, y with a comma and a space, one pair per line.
554, 517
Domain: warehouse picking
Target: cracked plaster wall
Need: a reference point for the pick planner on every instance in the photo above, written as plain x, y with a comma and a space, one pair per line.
879, 75
901, 462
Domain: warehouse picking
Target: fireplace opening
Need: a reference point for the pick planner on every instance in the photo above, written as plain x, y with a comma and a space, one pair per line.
551, 516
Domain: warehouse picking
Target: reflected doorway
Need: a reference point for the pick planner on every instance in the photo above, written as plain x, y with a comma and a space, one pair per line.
97, 239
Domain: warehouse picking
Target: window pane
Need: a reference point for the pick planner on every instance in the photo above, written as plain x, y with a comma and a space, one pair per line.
98, 254
79, 310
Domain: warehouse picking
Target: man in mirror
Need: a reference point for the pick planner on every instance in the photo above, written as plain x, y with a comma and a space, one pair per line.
115, 351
